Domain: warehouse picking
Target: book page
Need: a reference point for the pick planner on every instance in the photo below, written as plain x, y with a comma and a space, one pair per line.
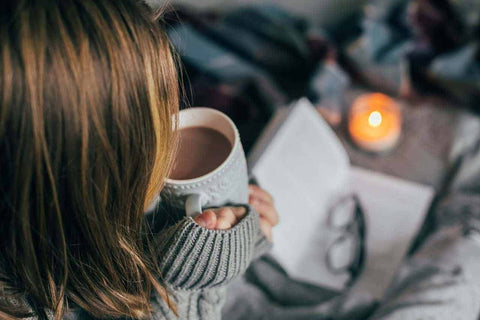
302, 167
394, 210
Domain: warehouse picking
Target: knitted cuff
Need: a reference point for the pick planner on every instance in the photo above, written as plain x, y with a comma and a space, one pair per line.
197, 258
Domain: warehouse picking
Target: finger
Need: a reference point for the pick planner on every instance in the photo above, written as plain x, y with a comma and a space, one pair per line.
239, 212
207, 219
226, 219
258, 192
266, 228
266, 210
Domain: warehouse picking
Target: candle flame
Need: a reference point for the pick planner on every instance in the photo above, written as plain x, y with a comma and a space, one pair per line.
375, 119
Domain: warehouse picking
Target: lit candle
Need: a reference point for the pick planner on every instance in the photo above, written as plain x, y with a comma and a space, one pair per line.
375, 122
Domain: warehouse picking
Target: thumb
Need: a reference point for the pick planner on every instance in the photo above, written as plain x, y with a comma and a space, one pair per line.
207, 219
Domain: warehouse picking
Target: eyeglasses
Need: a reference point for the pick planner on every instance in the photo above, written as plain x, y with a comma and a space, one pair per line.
347, 218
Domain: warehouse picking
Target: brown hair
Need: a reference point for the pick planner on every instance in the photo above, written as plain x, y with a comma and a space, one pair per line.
88, 102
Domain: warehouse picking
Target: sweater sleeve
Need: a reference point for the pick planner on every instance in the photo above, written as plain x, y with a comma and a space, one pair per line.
192, 257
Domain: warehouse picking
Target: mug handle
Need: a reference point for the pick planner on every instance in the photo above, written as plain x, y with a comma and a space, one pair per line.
193, 205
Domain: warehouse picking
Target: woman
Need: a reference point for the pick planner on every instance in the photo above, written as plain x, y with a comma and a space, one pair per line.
88, 91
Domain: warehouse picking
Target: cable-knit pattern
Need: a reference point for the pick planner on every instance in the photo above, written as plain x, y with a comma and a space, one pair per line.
196, 258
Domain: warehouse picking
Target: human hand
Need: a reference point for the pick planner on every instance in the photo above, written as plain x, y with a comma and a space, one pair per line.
220, 218
262, 202
226, 217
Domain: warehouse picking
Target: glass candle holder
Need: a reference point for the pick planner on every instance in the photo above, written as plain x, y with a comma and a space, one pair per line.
375, 122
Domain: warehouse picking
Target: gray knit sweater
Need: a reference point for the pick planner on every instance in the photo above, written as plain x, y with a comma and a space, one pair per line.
197, 263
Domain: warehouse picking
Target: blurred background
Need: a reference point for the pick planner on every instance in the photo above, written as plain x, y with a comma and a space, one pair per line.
248, 58
319, 12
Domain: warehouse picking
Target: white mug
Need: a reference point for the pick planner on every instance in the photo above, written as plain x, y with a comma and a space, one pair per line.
225, 185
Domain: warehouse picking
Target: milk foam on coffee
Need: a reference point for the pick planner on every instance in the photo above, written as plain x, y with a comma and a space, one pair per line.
201, 150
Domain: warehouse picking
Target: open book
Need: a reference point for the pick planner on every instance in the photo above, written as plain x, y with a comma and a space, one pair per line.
302, 163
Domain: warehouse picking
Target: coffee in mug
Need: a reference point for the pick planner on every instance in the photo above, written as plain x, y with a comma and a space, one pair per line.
210, 169
201, 150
